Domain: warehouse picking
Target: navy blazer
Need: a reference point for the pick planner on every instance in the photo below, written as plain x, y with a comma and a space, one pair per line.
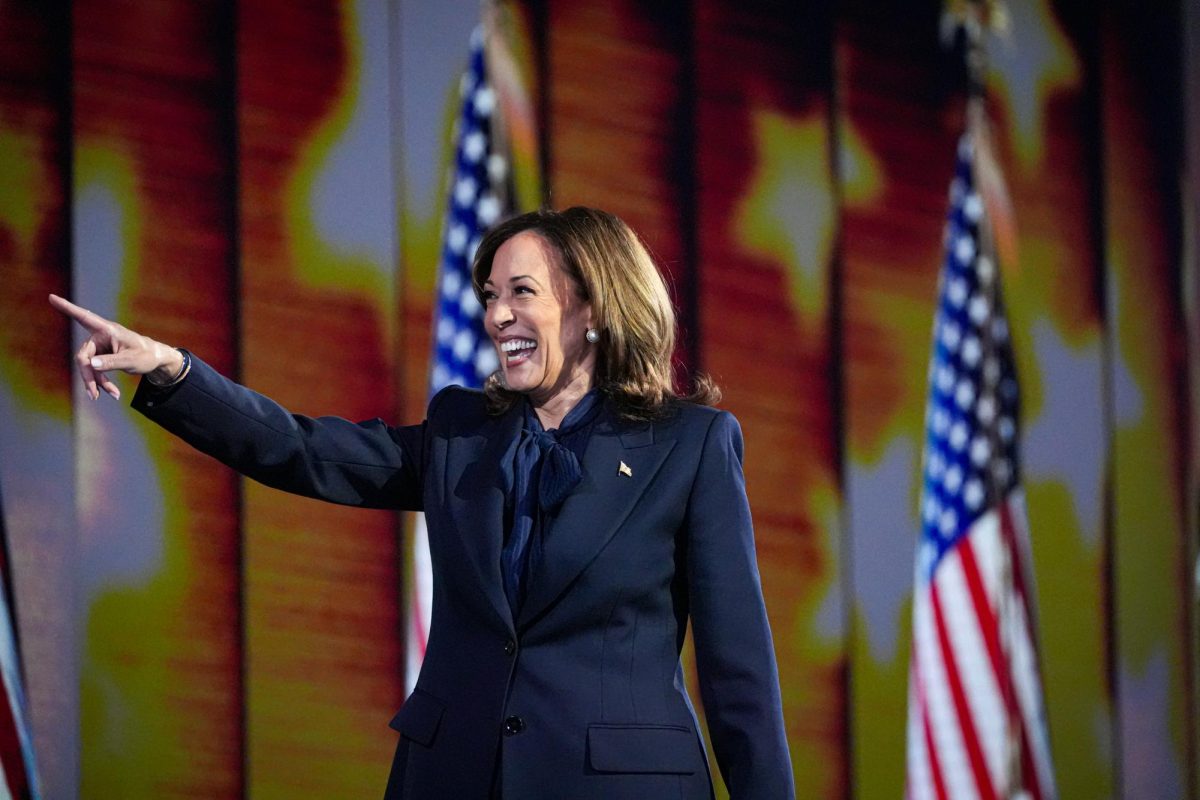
582, 695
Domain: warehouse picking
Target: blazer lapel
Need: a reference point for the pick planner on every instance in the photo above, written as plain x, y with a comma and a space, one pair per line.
477, 488
595, 510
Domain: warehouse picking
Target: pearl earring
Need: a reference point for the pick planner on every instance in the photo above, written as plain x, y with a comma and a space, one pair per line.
592, 335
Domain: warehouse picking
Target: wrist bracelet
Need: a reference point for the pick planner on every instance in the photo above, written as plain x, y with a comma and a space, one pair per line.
183, 371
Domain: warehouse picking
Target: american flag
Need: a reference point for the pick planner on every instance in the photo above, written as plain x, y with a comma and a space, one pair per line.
18, 770
976, 719
463, 354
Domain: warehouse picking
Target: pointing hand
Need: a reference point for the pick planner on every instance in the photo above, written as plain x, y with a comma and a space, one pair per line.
112, 346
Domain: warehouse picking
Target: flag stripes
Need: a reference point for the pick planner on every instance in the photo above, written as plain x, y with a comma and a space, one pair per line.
966, 721
925, 768
18, 767
938, 708
988, 625
982, 691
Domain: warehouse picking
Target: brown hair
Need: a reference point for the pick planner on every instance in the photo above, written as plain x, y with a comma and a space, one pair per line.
612, 270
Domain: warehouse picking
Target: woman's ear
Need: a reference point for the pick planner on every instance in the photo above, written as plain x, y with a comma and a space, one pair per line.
587, 315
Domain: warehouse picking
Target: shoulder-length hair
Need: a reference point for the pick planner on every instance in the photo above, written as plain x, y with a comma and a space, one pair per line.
611, 270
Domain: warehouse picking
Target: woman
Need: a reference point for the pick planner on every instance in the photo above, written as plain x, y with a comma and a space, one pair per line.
578, 513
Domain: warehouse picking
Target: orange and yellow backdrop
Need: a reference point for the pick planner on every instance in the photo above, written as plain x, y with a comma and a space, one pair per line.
263, 182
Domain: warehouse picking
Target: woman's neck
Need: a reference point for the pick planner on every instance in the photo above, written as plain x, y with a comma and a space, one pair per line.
553, 409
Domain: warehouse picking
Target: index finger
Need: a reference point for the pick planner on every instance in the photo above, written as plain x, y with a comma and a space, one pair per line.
88, 319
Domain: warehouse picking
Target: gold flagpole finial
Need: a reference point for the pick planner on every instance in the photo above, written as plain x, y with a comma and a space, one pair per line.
976, 19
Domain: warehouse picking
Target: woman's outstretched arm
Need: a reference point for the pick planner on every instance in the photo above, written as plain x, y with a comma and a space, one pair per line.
360, 464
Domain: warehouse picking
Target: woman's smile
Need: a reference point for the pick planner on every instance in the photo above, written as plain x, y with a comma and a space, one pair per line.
515, 351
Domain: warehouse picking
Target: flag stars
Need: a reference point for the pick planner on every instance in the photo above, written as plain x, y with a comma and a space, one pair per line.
973, 207
991, 370
465, 189
469, 304
951, 334
966, 150
1007, 429
474, 146
964, 394
464, 354
941, 422
979, 309
985, 269
936, 465
497, 168
945, 379
486, 361
971, 351
445, 331
980, 451
457, 239
948, 522
484, 101
464, 345
451, 284
1001, 471
973, 494
985, 410
958, 436
964, 250
489, 209
930, 510
953, 479
956, 292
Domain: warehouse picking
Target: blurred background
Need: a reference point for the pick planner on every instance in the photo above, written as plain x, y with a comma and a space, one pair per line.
266, 183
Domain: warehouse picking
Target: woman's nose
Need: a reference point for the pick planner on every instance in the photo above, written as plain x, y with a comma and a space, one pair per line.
500, 313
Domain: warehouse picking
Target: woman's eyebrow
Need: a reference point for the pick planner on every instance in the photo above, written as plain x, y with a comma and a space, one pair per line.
514, 279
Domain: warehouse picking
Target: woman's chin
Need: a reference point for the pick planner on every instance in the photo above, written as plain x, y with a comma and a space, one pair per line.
518, 379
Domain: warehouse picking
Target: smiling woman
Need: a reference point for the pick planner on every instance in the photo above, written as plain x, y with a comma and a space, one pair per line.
579, 513
539, 320
617, 323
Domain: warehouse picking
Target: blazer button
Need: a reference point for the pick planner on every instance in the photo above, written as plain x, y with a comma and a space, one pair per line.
510, 647
513, 725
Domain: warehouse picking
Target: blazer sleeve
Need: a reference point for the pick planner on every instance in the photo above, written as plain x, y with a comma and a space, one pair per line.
735, 657
365, 464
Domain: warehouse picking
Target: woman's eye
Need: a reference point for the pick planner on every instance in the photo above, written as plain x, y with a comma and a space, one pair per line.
488, 297
523, 290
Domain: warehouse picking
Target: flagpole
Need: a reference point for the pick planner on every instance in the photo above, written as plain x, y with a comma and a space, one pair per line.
979, 18
492, 13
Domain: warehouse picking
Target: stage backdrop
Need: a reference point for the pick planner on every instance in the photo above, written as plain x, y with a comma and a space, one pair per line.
263, 183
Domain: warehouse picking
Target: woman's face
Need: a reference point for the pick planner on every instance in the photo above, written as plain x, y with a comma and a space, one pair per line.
537, 320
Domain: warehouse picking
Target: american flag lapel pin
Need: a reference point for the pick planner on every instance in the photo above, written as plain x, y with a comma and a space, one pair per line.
625, 470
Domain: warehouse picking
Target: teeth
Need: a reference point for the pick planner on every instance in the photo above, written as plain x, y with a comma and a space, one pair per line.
517, 344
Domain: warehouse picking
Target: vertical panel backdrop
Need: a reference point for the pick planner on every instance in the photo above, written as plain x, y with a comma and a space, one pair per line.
157, 562
263, 182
